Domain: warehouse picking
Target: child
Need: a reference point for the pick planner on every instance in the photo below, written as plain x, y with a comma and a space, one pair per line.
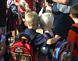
47, 25
73, 33
31, 21
21, 16
35, 39
47, 20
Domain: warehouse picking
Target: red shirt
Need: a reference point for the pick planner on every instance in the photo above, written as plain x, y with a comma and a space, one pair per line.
30, 3
20, 10
73, 37
17, 1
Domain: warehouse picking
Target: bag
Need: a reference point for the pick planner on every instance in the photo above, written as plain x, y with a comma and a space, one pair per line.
22, 50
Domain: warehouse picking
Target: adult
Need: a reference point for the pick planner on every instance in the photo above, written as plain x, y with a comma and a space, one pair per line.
62, 21
73, 32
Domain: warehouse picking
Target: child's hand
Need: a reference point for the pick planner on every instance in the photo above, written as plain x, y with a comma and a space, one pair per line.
53, 40
43, 6
49, 41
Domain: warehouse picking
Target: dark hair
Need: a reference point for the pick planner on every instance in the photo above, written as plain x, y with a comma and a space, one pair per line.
74, 10
49, 1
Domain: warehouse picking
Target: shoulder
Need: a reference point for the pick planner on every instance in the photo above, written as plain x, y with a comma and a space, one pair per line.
74, 28
76, 25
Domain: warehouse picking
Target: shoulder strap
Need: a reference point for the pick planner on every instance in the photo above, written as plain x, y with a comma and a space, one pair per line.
75, 29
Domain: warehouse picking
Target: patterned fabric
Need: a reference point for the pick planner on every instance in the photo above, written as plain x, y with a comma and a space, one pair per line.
34, 37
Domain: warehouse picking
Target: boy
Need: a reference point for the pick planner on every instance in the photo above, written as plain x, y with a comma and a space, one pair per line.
73, 32
36, 39
47, 20
31, 21
47, 25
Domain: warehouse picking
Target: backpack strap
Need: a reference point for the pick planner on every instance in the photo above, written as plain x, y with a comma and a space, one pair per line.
75, 29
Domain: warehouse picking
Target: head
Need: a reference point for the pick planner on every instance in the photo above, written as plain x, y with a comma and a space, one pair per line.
31, 20
24, 5
46, 21
74, 11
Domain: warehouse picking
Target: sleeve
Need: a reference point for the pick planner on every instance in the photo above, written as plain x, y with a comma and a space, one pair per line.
71, 36
40, 39
61, 1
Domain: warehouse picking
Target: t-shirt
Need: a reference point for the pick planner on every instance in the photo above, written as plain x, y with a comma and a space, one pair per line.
73, 37
34, 37
30, 2
62, 25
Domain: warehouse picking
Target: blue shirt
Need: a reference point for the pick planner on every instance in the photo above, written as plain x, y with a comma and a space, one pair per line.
34, 37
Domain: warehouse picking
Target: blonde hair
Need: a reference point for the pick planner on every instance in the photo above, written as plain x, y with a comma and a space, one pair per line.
47, 20
31, 17
24, 4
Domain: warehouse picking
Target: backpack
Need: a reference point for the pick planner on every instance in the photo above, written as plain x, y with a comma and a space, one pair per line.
75, 29
21, 50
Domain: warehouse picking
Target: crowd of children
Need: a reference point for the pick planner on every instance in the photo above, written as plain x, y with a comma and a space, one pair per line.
27, 20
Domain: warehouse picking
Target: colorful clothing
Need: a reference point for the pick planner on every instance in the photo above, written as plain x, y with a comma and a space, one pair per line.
30, 3
73, 37
34, 37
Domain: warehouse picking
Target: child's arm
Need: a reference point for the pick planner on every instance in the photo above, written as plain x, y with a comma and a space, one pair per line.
41, 11
53, 40
16, 3
61, 1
